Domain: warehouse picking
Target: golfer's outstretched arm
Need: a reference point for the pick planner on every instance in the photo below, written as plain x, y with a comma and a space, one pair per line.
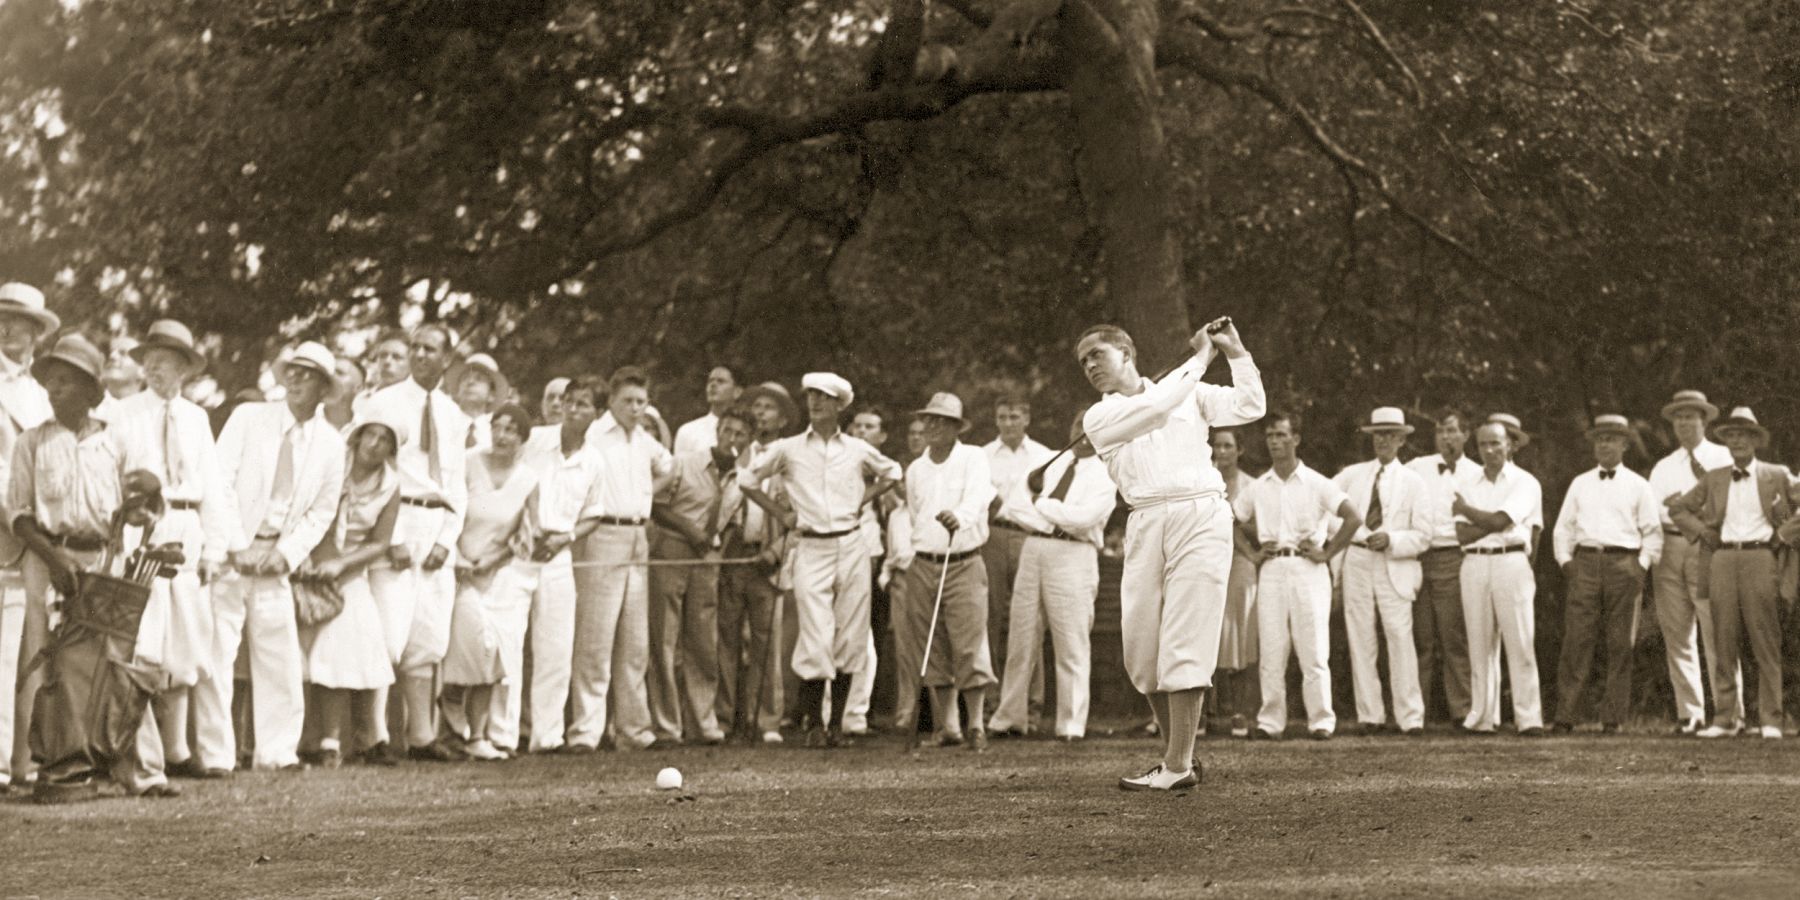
1118, 420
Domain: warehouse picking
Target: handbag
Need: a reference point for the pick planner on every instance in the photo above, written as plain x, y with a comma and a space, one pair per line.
316, 600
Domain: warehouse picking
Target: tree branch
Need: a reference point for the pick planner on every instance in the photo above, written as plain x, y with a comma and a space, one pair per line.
1387, 49
1178, 48
968, 9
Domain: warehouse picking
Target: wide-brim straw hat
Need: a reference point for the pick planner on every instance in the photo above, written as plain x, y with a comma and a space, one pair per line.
74, 351
1386, 418
1694, 400
1514, 428
310, 355
169, 335
945, 405
1609, 424
1741, 419
774, 391
22, 299
482, 364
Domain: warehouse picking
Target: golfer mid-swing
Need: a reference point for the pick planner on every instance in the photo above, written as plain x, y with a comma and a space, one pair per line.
1152, 436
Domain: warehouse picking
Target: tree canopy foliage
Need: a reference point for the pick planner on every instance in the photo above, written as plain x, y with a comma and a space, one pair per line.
1554, 208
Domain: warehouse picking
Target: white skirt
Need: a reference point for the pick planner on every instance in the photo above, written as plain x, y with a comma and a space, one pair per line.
489, 620
349, 652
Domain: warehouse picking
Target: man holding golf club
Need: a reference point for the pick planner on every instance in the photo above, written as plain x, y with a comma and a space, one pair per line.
1152, 435
948, 490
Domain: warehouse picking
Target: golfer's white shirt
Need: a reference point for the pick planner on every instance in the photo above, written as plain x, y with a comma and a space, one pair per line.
1083, 512
959, 485
1440, 488
635, 464
1288, 511
1008, 467
699, 434
1615, 512
824, 479
1515, 492
1745, 520
405, 402
568, 485
1154, 442
1674, 474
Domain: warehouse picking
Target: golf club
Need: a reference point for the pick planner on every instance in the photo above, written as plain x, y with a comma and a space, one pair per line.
938, 604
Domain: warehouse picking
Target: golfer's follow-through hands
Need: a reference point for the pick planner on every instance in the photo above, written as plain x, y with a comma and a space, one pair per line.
1218, 336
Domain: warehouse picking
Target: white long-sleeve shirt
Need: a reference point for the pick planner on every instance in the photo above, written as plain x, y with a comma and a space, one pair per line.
406, 401
23, 406
1441, 480
1674, 474
1008, 467
1621, 511
1081, 514
636, 466
1515, 492
824, 479
154, 429
960, 485
249, 459
1288, 512
1154, 442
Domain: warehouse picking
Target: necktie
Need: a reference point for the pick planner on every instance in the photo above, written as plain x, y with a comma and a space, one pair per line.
428, 441
283, 489
469, 442
1061, 491
1607, 474
1739, 474
1694, 464
171, 453
1443, 468
1372, 521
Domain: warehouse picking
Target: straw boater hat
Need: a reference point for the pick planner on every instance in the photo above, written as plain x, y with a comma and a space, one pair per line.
948, 406
310, 355
830, 384
774, 391
1610, 424
1387, 418
1513, 427
1741, 419
483, 364
169, 335
1690, 400
22, 299
75, 351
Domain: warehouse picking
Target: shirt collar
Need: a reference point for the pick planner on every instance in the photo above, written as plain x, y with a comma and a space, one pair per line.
812, 432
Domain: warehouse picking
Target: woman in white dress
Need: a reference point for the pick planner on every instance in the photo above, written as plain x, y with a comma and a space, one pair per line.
348, 654
495, 580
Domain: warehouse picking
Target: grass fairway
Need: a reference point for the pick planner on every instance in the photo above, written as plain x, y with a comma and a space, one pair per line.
1436, 817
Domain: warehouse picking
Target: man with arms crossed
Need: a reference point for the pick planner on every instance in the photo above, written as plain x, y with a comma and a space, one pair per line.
1178, 540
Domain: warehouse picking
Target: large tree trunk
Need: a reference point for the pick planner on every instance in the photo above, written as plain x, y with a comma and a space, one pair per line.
1123, 164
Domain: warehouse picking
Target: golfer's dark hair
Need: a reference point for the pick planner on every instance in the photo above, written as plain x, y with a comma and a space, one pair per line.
628, 376
874, 409
1445, 414
591, 385
1112, 334
440, 328
1278, 416
1014, 401
1229, 431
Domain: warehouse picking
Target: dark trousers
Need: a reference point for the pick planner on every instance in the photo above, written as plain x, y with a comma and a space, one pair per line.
747, 603
1603, 594
1438, 630
1745, 603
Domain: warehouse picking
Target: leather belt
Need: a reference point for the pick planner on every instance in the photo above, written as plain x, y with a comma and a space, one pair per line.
425, 502
1495, 551
1747, 545
827, 535
80, 543
1010, 525
1456, 550
1057, 534
268, 535
1585, 548
627, 521
1285, 551
944, 559
185, 505
1672, 530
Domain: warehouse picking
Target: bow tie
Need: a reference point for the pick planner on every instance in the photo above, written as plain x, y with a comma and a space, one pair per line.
1739, 474
1443, 467
1607, 474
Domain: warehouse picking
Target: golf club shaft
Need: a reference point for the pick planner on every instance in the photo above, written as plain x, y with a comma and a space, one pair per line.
938, 604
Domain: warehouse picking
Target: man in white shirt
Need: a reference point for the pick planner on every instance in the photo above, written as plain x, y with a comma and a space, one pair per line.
24, 318
724, 385
170, 437
1152, 436
612, 628
568, 510
1058, 579
1291, 507
1681, 606
826, 476
1011, 456
1608, 534
870, 425
1494, 511
1438, 630
283, 466
947, 495
417, 591
1381, 573
1734, 514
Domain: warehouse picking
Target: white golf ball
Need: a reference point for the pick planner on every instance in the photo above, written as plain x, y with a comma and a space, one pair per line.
669, 779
